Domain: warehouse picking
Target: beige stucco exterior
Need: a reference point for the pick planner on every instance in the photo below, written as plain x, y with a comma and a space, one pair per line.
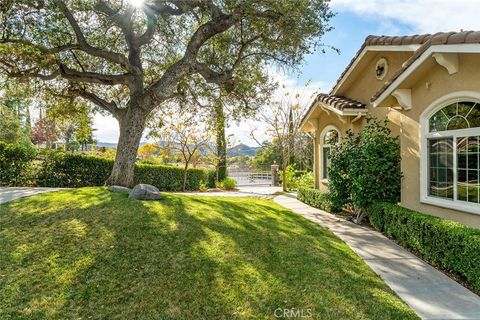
428, 82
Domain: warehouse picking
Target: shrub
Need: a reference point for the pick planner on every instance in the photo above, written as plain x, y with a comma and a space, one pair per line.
365, 168
448, 244
305, 181
298, 179
228, 184
74, 170
14, 162
317, 199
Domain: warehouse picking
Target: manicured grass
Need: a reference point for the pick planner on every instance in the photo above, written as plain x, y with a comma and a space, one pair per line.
92, 254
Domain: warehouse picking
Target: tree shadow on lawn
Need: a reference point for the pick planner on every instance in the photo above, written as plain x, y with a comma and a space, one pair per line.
100, 255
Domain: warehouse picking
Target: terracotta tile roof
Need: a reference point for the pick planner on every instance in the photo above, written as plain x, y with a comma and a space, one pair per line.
336, 102
435, 39
384, 41
339, 103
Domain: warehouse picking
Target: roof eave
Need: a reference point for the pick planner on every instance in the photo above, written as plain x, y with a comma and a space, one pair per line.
441, 48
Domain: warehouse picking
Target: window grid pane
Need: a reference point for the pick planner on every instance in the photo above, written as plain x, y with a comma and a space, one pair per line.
468, 156
441, 167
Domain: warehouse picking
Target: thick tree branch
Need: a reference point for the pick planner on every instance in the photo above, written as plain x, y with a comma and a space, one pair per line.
165, 86
93, 77
86, 47
108, 106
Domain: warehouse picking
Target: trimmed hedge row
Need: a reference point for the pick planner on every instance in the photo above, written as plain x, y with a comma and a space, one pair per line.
446, 243
68, 170
14, 161
171, 178
315, 198
76, 170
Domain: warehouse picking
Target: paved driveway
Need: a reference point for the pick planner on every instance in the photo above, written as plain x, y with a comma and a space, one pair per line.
8, 194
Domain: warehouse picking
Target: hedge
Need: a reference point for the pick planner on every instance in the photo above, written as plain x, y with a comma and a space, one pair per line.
169, 178
315, 198
15, 159
75, 170
448, 244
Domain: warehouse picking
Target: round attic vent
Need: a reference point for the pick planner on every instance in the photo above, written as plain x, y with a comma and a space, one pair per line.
381, 68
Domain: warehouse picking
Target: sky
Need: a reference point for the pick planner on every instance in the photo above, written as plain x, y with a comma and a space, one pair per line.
354, 21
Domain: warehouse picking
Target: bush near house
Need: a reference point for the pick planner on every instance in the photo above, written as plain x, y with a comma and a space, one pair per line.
446, 243
317, 199
58, 169
15, 159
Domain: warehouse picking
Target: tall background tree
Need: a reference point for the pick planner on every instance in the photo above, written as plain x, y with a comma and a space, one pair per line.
283, 117
129, 60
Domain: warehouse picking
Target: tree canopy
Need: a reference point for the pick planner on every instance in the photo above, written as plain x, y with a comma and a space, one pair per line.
128, 60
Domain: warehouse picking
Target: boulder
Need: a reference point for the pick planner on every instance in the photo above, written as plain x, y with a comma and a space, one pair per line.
119, 189
145, 192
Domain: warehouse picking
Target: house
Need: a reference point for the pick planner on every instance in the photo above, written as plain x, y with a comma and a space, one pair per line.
428, 86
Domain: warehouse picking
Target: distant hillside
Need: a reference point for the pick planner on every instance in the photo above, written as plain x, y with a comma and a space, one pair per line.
113, 145
237, 151
107, 144
242, 150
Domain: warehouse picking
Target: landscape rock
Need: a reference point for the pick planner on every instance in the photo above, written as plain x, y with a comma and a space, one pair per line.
145, 192
119, 189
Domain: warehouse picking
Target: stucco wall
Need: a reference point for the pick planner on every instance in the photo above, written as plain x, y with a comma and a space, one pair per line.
440, 84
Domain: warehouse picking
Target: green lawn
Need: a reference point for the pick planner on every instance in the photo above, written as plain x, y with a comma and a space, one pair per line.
92, 254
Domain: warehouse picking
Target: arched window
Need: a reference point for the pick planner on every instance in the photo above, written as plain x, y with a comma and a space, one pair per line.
453, 154
329, 139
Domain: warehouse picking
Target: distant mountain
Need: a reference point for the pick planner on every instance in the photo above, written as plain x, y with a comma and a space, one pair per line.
242, 150
107, 144
113, 145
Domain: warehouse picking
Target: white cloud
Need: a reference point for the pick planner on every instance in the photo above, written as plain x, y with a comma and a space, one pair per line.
424, 16
106, 128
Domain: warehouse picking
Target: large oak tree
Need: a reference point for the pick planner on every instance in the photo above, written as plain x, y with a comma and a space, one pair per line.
129, 60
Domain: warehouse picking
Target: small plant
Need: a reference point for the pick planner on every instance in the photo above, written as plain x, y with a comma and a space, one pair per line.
226, 184
229, 184
202, 186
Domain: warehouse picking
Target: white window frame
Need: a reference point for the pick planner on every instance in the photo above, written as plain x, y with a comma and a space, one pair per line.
454, 134
322, 138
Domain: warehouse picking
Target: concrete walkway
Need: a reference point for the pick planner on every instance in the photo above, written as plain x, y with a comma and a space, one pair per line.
430, 293
12, 193
243, 191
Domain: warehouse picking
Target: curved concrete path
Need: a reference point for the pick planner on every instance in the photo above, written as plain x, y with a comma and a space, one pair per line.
12, 193
430, 293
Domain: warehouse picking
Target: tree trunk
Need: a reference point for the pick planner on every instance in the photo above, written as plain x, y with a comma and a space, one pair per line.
221, 142
284, 171
185, 172
132, 123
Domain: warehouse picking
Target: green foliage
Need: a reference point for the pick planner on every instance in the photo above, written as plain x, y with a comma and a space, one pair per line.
227, 184
317, 199
445, 243
11, 130
75, 170
365, 168
168, 178
297, 179
15, 159
305, 181
268, 153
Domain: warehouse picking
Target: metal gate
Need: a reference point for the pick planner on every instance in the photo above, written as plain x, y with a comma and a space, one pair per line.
248, 178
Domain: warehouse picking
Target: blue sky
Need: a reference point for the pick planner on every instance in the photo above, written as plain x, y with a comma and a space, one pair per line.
355, 20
